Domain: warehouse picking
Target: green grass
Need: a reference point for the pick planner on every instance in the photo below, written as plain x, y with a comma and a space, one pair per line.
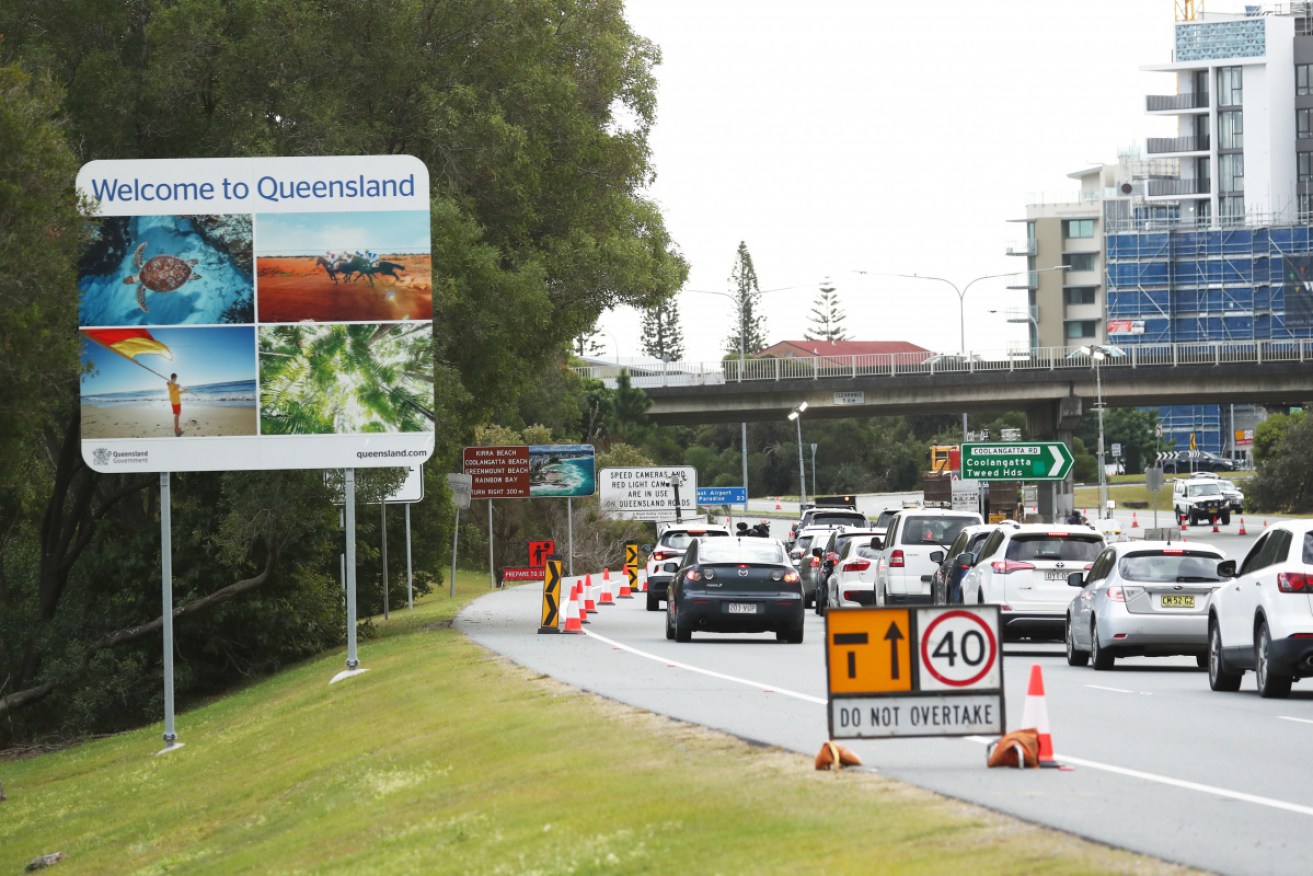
446, 758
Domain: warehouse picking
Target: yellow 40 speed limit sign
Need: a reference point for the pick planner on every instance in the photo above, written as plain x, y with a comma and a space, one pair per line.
933, 671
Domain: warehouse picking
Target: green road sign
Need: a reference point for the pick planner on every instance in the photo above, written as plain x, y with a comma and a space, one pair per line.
1033, 461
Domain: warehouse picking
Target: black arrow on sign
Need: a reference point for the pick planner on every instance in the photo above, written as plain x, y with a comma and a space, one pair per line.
893, 636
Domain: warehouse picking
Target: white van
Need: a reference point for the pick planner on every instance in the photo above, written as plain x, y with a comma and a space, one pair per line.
915, 543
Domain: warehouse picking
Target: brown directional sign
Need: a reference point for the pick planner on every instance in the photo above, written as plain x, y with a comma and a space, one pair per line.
497, 472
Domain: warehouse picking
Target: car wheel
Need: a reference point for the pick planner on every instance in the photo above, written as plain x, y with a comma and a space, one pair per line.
1270, 684
682, 632
653, 604
670, 629
1226, 518
1075, 656
1101, 657
1219, 677
1201, 660
793, 635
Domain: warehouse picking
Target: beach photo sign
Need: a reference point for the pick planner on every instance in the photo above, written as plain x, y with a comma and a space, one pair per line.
256, 313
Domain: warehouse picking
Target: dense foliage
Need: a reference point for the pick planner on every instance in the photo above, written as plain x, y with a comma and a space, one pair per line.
532, 117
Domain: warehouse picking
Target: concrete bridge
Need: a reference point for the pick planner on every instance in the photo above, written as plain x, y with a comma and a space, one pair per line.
1052, 385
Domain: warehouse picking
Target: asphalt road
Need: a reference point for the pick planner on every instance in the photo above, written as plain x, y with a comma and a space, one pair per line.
1159, 763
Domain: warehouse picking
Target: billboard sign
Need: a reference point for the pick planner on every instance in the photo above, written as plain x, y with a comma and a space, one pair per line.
650, 493
532, 471
257, 313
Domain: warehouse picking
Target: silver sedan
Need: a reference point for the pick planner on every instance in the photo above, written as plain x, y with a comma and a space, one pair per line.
1143, 599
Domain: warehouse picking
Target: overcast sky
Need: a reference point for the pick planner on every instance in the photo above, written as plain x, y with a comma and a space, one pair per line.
839, 136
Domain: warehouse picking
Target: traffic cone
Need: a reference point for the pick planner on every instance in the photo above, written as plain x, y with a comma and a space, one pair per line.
1215, 529
642, 581
1265, 524
590, 604
1184, 527
626, 592
1036, 714
777, 504
1242, 527
1135, 524
606, 597
572, 623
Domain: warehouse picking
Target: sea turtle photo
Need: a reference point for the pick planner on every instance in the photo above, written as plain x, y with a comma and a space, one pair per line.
163, 273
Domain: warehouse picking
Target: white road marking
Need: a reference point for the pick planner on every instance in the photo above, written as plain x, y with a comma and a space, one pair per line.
1113, 689
1300, 720
984, 740
761, 685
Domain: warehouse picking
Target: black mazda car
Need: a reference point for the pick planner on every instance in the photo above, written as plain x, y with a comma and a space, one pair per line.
735, 585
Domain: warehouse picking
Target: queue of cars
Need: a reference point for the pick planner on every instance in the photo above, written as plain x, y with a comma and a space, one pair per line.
1105, 598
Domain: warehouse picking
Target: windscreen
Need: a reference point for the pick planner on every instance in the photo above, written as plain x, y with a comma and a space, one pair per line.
934, 530
1203, 490
741, 550
1154, 566
679, 539
1043, 546
836, 519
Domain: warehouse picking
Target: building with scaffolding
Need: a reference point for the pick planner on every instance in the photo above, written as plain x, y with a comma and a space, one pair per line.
1213, 242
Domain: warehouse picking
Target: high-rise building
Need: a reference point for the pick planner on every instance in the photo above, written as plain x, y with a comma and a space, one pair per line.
1209, 239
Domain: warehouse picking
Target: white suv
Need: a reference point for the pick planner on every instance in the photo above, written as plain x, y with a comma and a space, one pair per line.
664, 558
913, 546
1024, 570
1262, 619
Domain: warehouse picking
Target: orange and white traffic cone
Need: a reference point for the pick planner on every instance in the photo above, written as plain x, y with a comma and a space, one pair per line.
590, 602
1036, 714
626, 592
1135, 524
1184, 527
1215, 529
642, 581
572, 622
606, 598
777, 504
1242, 527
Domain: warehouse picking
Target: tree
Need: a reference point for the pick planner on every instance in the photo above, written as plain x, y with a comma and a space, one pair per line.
663, 337
1284, 483
504, 101
826, 316
586, 344
749, 332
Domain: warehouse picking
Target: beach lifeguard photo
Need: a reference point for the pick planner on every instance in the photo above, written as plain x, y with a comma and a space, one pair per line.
168, 383
344, 267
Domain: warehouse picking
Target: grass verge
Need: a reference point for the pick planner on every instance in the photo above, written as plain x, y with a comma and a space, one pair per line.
444, 758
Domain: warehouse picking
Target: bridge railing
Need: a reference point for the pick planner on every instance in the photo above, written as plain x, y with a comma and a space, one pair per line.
1190, 355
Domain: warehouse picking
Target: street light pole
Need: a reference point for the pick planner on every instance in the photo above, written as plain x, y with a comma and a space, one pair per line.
796, 416
814, 489
1099, 352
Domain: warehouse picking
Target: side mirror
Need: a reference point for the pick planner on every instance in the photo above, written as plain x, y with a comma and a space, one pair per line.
670, 567
1226, 569
1076, 579
937, 557
645, 548
966, 559
816, 552
877, 542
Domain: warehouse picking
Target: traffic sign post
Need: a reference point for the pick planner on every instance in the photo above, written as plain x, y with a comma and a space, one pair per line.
551, 596
903, 672
1034, 461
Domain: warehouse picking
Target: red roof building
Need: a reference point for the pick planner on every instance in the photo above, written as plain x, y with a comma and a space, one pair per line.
841, 352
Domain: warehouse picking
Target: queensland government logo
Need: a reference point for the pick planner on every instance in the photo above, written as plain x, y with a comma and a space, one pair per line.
100, 456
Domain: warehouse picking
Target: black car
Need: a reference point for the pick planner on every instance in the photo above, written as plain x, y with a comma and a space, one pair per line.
735, 585
1183, 461
946, 583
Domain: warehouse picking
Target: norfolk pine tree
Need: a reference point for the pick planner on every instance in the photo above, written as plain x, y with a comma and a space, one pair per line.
749, 326
826, 316
663, 337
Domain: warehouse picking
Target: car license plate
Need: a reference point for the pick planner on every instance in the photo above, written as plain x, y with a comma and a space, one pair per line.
743, 608
1178, 601
1056, 575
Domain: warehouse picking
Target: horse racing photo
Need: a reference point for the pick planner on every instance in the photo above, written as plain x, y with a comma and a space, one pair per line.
343, 267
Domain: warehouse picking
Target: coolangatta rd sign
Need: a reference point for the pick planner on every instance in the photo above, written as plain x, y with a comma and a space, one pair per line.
1033, 461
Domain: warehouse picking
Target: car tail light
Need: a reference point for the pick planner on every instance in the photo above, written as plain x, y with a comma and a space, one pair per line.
1005, 567
791, 578
663, 555
896, 560
853, 595
1172, 552
831, 557
816, 561
693, 575
1116, 594
1294, 582
857, 565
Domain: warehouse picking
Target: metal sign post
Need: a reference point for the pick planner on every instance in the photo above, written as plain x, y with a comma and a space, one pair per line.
459, 484
166, 590
349, 506
384, 524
